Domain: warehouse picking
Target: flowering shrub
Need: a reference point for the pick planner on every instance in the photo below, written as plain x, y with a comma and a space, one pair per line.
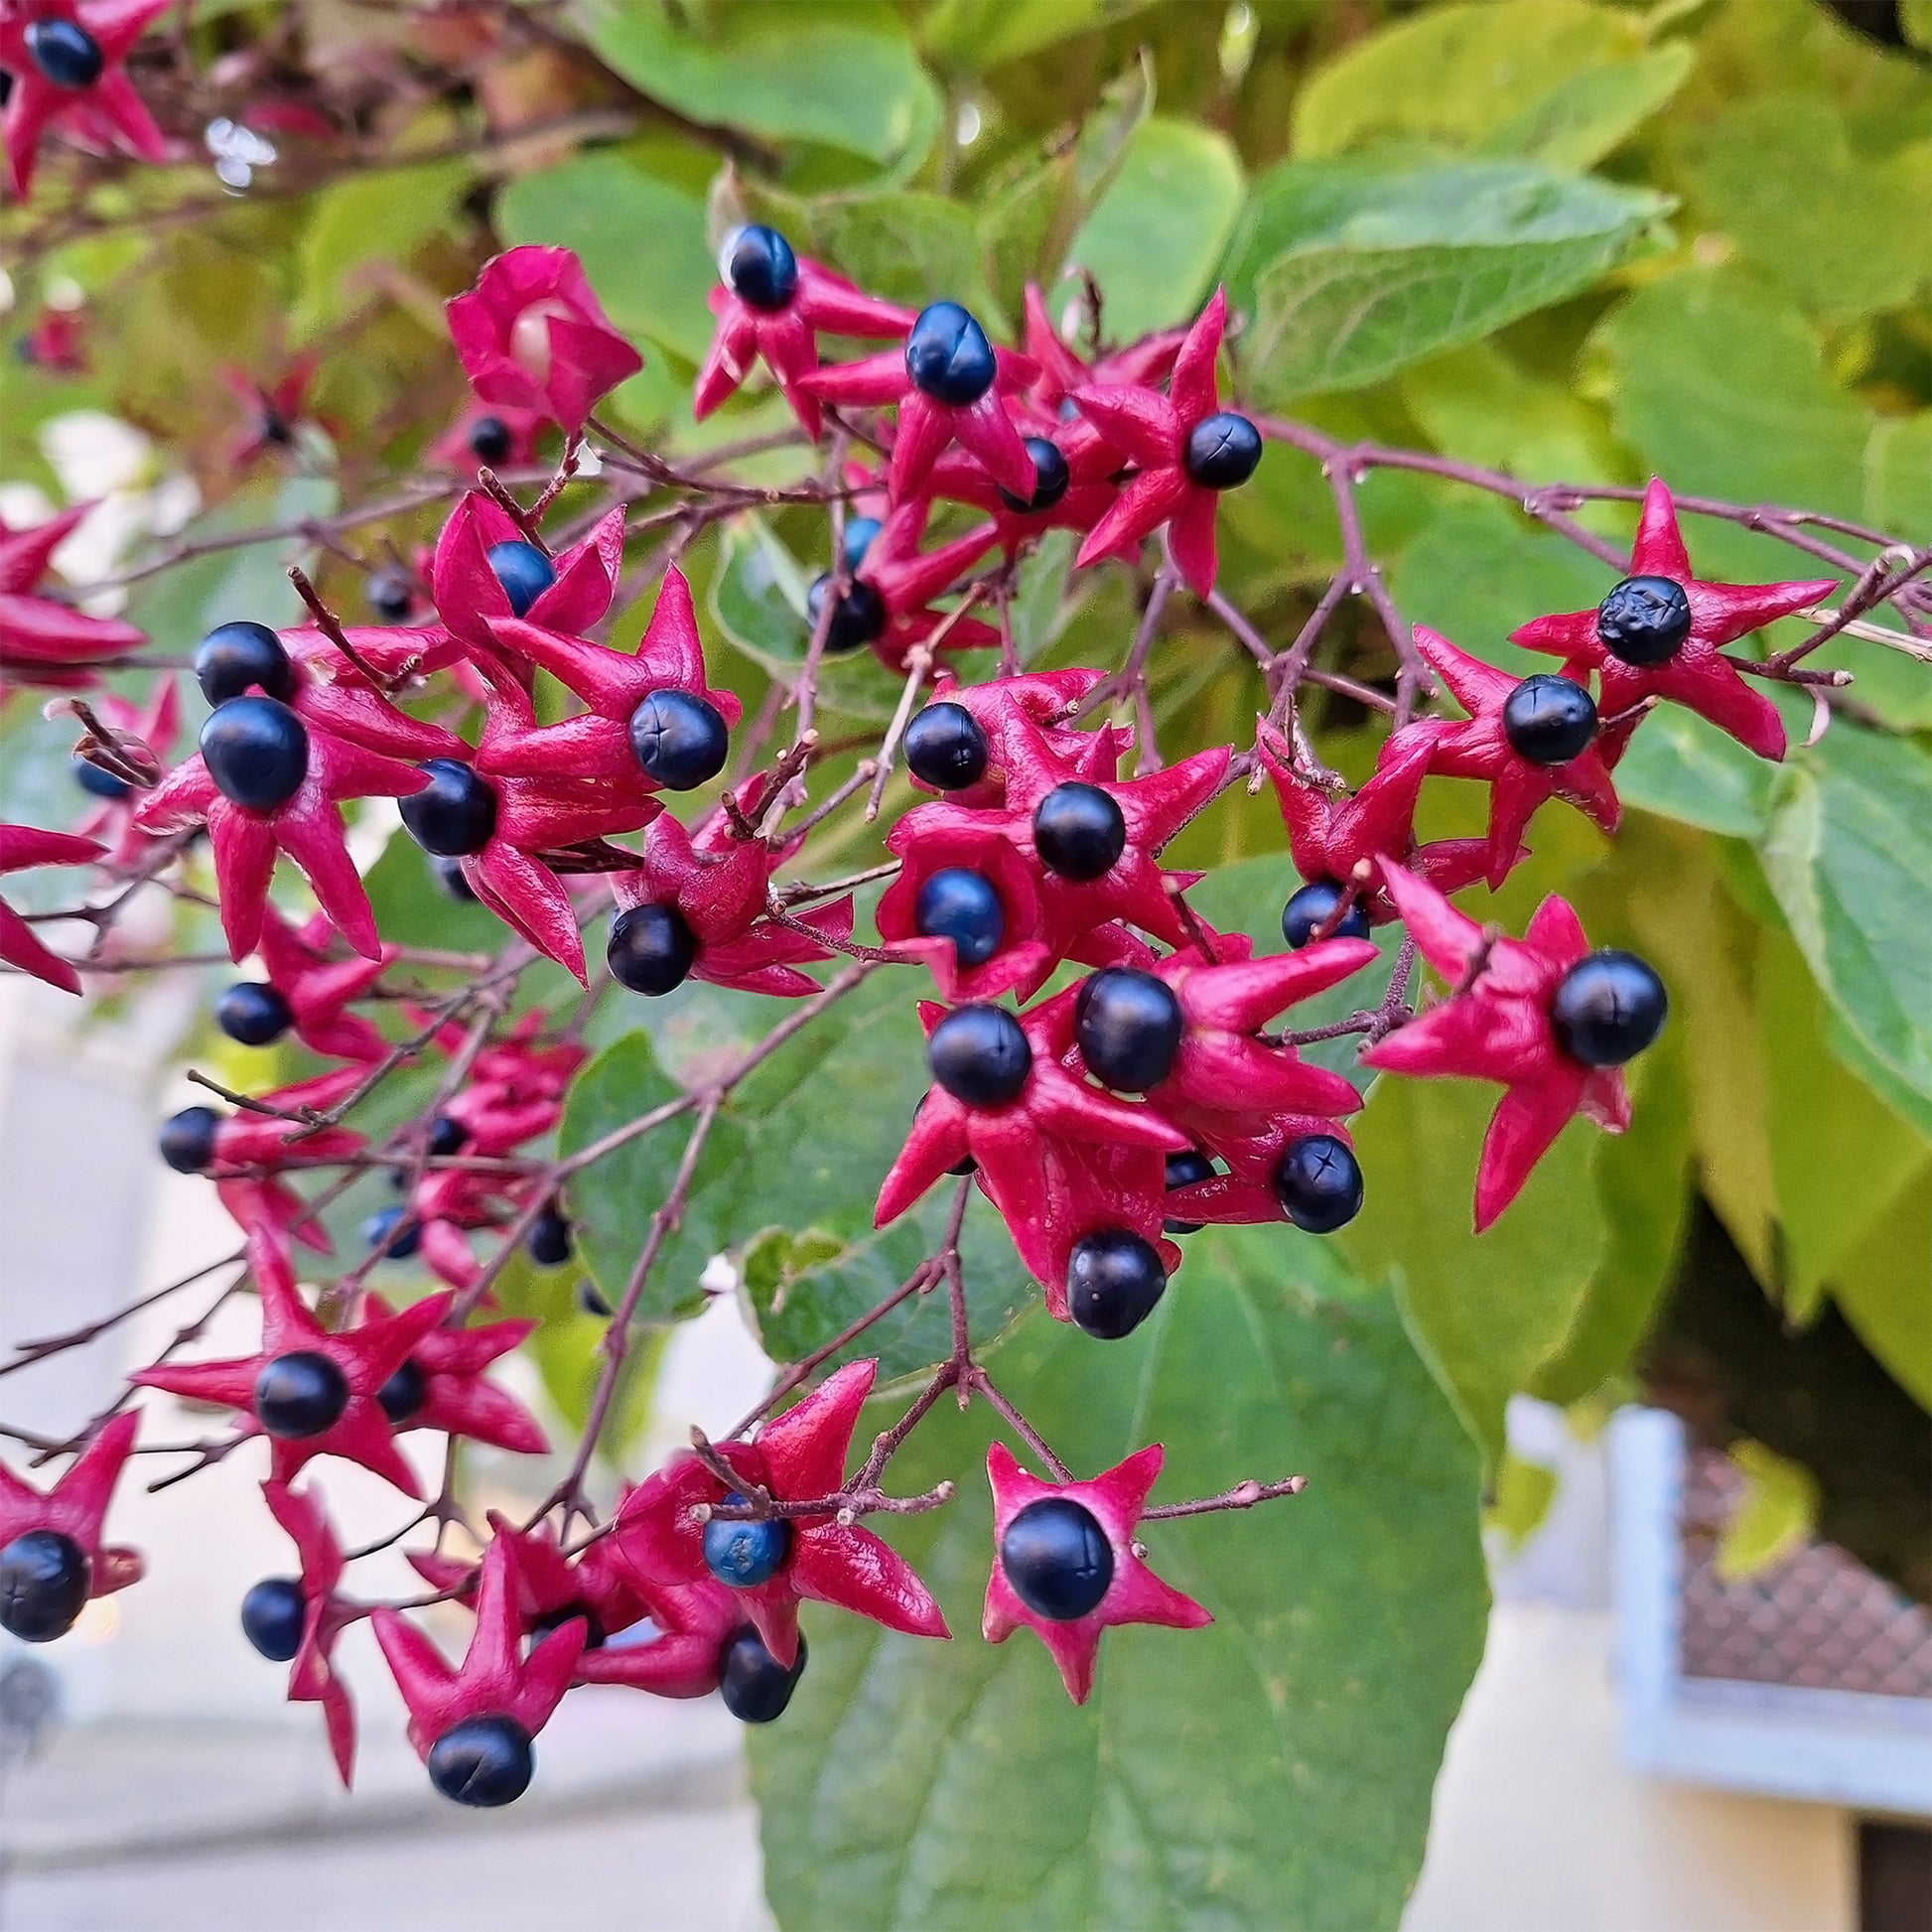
990, 976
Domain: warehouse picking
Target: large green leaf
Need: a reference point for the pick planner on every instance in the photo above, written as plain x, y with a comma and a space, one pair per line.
913, 249
1584, 117
1884, 1287
981, 33
1354, 272
369, 219
845, 77
1272, 1771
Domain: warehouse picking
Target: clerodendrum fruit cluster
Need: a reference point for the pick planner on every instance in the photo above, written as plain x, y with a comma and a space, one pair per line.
1157, 1090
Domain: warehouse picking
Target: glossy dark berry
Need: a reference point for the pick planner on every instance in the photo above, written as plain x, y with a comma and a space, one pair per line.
681, 740
455, 814
1222, 451
44, 1582
1609, 1007
1319, 1182
66, 52
755, 1686
187, 1139
235, 657
742, 1554
591, 1302
1312, 908
96, 782
759, 267
453, 880
960, 905
391, 596
489, 438
548, 1241
1079, 831
484, 1761
651, 949
1549, 720
273, 1617
945, 746
300, 1394
1129, 1026
595, 1634
394, 1227
447, 1136
1051, 479
404, 1393
1057, 1558
948, 355
256, 751
1184, 1171
253, 1014
523, 571
858, 533
979, 1055
1113, 1281
1644, 619
858, 618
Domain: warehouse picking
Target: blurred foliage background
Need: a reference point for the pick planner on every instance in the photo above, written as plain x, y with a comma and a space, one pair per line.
1567, 239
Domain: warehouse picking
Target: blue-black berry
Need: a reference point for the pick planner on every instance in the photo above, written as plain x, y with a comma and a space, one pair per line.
256, 751
404, 1393
757, 266
484, 1761
391, 1230
1113, 1281
651, 949
548, 1241
253, 1014
454, 815
447, 1136
979, 1055
858, 618
681, 740
451, 880
1549, 720
66, 52
945, 746
44, 1582
1319, 1182
489, 438
859, 534
235, 657
1057, 1558
300, 1394
391, 596
1609, 1007
948, 355
755, 1686
1079, 831
1051, 478
745, 1553
187, 1139
273, 1617
1644, 619
1184, 1171
961, 906
1222, 451
1129, 1026
1312, 908
523, 571
97, 781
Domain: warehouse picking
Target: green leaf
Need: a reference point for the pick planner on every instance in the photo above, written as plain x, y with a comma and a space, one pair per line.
365, 220
1881, 1288
1681, 766
611, 1201
1587, 115
1484, 1310
1848, 853
1475, 403
1521, 1499
1158, 232
1771, 1520
1354, 272
1898, 476
846, 77
906, 247
982, 33
936, 1786
412, 909
642, 240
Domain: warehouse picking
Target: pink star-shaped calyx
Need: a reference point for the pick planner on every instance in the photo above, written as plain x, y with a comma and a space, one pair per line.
1695, 672
906, 579
364, 1358
23, 847
695, 1623
532, 335
251, 1148
1020, 958
44, 641
1062, 372
506, 432
455, 1396
799, 1456
320, 989
273, 412
1084, 1188
90, 97
324, 1615
1252, 1145
1049, 700
75, 1508
1496, 1026
1115, 1501
1088, 494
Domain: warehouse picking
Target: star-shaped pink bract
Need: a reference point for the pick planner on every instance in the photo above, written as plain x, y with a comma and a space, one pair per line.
1252, 1145
1697, 673
76, 1507
1114, 1500
1498, 1028
1145, 362
250, 1147
1022, 957
788, 338
799, 1457
324, 1615
102, 109
273, 412
1152, 431
695, 1622
21, 848
320, 989
498, 434
906, 580
497, 1678
43, 642
364, 1356
1003, 707
532, 335
457, 1397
